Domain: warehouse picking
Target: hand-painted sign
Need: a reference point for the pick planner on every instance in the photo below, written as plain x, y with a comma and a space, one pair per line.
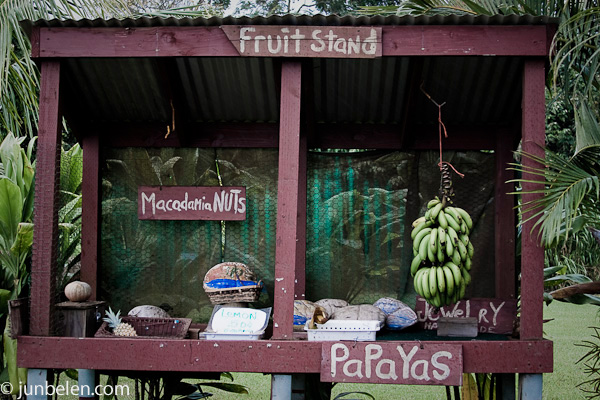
238, 320
493, 315
305, 41
410, 363
221, 203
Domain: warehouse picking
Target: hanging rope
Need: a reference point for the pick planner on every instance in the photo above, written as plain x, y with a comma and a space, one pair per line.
446, 179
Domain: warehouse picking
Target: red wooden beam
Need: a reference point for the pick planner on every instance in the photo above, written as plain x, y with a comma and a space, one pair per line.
152, 134
409, 40
461, 40
504, 216
288, 191
45, 243
532, 253
90, 212
135, 42
373, 136
266, 135
268, 356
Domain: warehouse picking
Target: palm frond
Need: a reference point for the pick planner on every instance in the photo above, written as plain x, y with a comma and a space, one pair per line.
18, 74
196, 11
577, 49
567, 187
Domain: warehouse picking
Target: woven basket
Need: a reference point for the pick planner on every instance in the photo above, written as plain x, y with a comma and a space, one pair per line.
150, 328
242, 294
238, 294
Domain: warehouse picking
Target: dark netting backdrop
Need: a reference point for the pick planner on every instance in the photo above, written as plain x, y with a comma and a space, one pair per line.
359, 209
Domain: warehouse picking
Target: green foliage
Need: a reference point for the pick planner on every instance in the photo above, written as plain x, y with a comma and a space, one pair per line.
570, 186
560, 127
19, 77
346, 394
591, 362
16, 200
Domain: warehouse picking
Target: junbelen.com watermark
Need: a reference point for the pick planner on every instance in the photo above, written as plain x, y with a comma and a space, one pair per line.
66, 389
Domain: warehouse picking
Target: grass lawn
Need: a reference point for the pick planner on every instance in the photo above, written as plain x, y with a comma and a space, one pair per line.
570, 326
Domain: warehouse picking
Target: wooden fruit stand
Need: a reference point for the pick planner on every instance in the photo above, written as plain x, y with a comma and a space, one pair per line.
61, 48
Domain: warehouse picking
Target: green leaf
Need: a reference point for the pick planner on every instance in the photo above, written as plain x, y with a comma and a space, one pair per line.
10, 212
577, 278
343, 395
587, 130
584, 299
10, 358
4, 297
227, 387
227, 375
548, 272
24, 241
72, 373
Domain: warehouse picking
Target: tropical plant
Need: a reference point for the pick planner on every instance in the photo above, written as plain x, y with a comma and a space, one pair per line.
575, 55
19, 78
591, 362
16, 237
571, 186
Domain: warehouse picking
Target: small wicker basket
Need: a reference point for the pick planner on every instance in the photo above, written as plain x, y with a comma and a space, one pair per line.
242, 294
235, 271
150, 328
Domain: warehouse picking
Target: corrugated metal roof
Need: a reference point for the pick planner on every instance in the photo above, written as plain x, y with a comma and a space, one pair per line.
476, 90
317, 20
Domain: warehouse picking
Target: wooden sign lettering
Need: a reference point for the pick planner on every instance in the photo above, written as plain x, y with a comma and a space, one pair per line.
220, 203
493, 315
305, 41
410, 363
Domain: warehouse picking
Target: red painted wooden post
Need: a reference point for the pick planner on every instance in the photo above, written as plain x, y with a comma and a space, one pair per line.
532, 254
504, 215
286, 251
90, 212
45, 244
300, 280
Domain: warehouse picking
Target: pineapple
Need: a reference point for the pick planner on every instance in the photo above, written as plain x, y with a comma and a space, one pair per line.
119, 328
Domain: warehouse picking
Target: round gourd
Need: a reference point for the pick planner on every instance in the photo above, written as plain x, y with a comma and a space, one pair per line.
78, 291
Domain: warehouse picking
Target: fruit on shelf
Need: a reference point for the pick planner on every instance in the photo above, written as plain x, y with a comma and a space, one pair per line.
118, 327
442, 252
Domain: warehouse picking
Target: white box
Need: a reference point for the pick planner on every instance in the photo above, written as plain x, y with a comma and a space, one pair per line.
352, 330
231, 336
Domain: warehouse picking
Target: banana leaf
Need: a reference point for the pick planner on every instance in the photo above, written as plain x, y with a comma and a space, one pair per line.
17, 376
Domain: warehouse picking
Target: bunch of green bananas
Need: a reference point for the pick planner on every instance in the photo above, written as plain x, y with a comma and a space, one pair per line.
442, 253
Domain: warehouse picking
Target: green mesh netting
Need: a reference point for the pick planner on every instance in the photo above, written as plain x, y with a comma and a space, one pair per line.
359, 209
